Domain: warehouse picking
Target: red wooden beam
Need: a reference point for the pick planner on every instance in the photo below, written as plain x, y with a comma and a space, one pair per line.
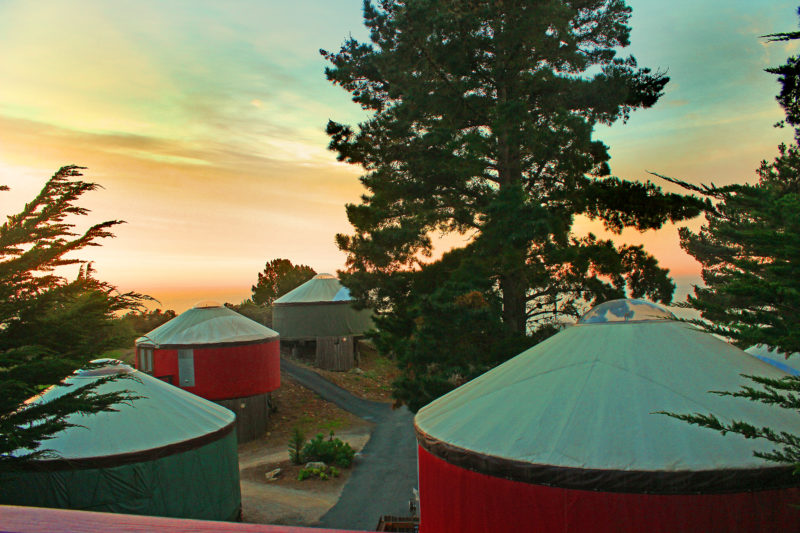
41, 520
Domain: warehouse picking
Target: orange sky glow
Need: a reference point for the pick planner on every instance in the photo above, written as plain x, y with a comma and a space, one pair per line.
205, 126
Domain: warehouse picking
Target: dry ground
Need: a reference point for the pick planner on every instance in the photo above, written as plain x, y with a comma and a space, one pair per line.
287, 500
300, 407
373, 379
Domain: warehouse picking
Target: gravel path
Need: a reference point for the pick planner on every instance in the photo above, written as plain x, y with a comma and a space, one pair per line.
387, 466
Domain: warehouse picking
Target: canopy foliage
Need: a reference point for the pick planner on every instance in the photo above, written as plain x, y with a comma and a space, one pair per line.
279, 277
481, 126
49, 325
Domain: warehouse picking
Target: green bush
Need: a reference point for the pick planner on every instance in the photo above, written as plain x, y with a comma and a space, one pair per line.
332, 451
296, 442
322, 473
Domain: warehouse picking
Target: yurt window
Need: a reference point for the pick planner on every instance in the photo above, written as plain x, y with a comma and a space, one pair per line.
186, 368
146, 360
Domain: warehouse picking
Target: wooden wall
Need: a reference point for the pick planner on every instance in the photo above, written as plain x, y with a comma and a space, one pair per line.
252, 415
335, 353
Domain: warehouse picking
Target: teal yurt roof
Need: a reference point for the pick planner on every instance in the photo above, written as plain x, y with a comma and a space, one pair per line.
207, 324
790, 364
320, 288
589, 397
163, 416
320, 307
342, 295
165, 453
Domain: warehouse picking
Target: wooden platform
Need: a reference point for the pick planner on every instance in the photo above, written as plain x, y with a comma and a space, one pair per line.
40, 520
408, 524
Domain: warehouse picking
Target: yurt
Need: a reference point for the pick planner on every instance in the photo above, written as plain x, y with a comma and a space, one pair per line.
216, 353
568, 436
167, 453
790, 365
321, 310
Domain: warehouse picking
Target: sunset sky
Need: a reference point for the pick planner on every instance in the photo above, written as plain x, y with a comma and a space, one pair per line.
204, 122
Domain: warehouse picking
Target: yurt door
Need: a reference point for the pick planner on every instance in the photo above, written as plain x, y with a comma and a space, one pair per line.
186, 368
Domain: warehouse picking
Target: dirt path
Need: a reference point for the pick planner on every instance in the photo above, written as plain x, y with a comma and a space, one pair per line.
387, 467
267, 503
366, 409
382, 482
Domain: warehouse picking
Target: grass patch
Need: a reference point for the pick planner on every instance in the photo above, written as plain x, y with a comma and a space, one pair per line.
332, 424
126, 355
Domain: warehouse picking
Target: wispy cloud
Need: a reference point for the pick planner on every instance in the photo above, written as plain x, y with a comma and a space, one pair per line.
204, 120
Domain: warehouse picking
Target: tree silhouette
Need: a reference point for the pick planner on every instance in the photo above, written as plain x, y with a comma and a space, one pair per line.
279, 277
482, 119
51, 326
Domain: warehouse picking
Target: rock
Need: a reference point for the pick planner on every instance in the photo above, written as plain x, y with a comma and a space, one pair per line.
316, 464
356, 370
272, 475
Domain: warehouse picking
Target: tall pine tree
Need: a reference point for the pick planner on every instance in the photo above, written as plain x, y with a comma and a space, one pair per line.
50, 326
482, 121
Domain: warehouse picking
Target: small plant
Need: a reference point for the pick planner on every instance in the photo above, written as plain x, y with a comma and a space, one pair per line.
296, 445
331, 451
324, 473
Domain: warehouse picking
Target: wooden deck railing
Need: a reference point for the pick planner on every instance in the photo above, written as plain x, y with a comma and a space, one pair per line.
40, 520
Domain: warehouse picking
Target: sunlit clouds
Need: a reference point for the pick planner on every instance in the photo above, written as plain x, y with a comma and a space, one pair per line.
204, 122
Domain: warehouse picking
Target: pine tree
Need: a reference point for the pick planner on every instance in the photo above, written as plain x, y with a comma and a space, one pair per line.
279, 277
482, 125
749, 250
482, 121
50, 326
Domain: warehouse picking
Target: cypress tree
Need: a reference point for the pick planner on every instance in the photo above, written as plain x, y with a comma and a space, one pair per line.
49, 325
749, 250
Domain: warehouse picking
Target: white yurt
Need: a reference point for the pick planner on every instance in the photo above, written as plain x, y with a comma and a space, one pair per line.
320, 314
569, 436
320, 307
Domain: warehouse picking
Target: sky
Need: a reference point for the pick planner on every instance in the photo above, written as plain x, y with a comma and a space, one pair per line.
204, 124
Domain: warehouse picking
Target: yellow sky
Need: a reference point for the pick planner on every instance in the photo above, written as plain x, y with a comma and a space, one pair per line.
204, 122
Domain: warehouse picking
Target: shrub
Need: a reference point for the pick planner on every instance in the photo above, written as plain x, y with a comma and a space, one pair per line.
296, 443
322, 473
331, 451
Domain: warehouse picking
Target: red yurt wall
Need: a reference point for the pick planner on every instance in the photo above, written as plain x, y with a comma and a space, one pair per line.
454, 499
226, 372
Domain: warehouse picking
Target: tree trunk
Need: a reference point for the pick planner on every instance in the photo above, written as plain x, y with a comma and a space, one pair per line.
513, 283
512, 266
514, 289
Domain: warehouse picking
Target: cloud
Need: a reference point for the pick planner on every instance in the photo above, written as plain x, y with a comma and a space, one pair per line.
677, 102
